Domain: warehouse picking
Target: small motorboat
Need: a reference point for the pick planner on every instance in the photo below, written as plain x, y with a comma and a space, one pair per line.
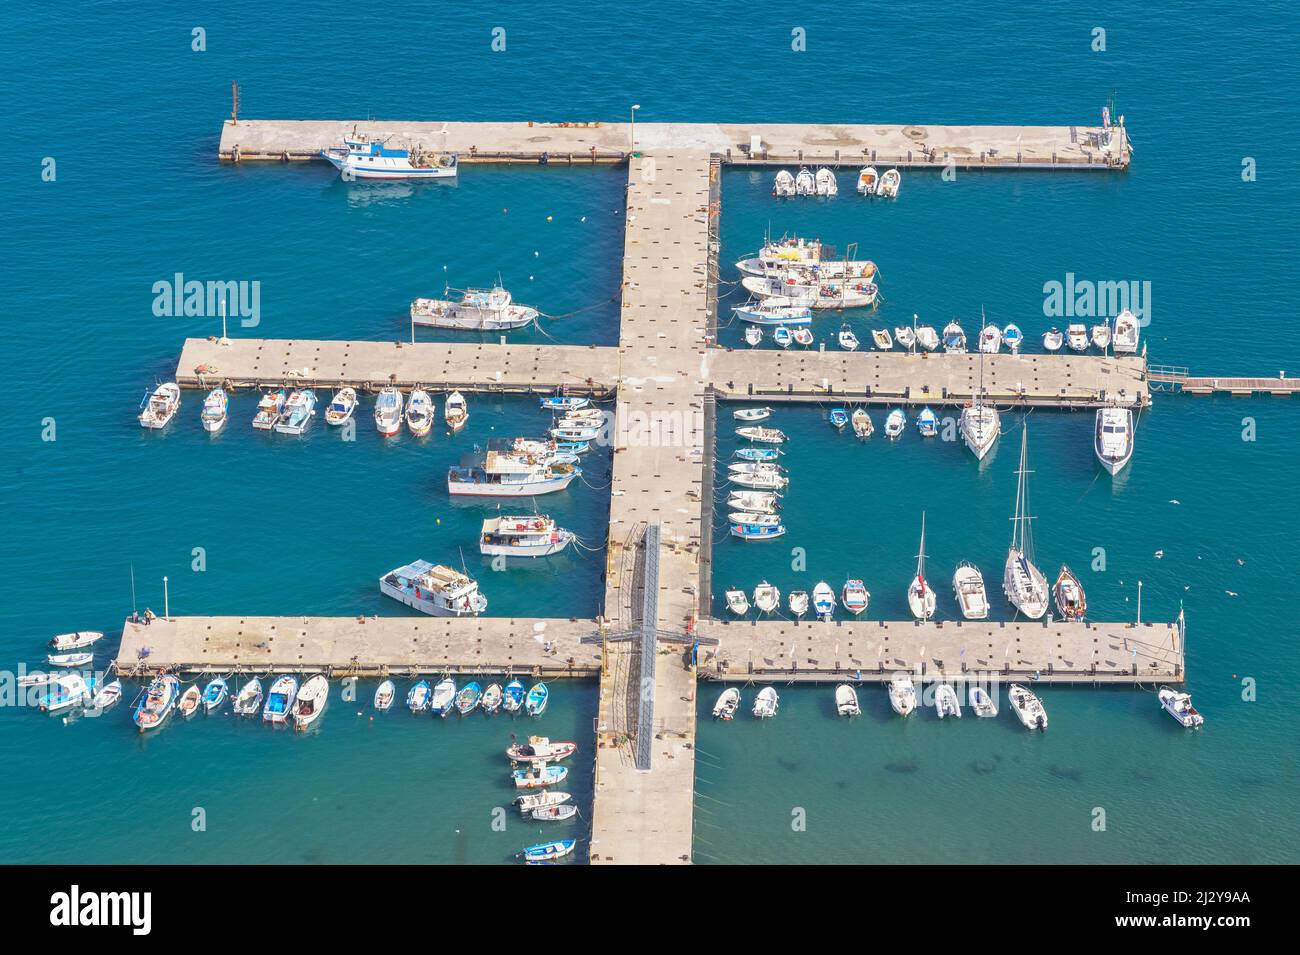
214, 694
802, 336
554, 813
755, 502
946, 702
512, 697
781, 336
419, 413
539, 749
385, 693
752, 414
889, 184
954, 339
388, 412
1101, 335
823, 601
1076, 336
1027, 707
547, 852
881, 338
826, 184
760, 480
1053, 339
839, 418
920, 595
527, 802
753, 336
216, 409
418, 696
341, 407
775, 311
249, 699
968, 587
765, 705
905, 336
536, 700
783, 187
927, 423
1013, 338
798, 603
895, 423
69, 660
862, 426
563, 402
107, 696
190, 702
1125, 339
855, 597
269, 408
767, 598
538, 775
298, 412
469, 697
1179, 706
727, 705
805, 183
990, 340
745, 517
310, 704
848, 341
758, 454
846, 701
981, 702
1068, 592
492, 697
455, 411
75, 641
157, 703
1113, 438
65, 692
902, 694
755, 530
927, 337
158, 408
762, 435
868, 180
443, 699
279, 701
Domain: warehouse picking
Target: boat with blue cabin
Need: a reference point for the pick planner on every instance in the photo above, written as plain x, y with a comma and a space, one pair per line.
279, 702
363, 157
214, 694
298, 412
927, 422
417, 698
547, 852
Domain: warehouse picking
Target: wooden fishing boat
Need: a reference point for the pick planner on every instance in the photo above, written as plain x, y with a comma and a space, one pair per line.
492, 697
862, 426
881, 337
1068, 592
107, 696
737, 602
157, 703
752, 414
467, 700
527, 802
839, 418
190, 701
69, 659
798, 603
385, 693
539, 749
554, 813
311, 700
214, 694
249, 699
548, 852
538, 775
855, 596
418, 697
823, 599
455, 411
536, 700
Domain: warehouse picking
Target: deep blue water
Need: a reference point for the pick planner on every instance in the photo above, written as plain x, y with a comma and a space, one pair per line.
131, 115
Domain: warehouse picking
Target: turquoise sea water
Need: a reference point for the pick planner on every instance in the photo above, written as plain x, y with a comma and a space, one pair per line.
131, 115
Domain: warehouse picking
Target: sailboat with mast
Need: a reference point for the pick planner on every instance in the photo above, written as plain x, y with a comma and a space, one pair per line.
1022, 581
920, 595
979, 422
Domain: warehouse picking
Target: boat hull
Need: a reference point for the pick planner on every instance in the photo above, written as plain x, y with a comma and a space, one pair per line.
470, 488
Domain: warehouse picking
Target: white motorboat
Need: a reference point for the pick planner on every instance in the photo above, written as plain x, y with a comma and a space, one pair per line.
443, 698
1076, 336
512, 474
1113, 438
75, 641
298, 412
160, 407
341, 407
946, 702
954, 338
846, 701
419, 413
216, 410
388, 412
927, 337
727, 705
310, 702
190, 702
269, 408
990, 340
361, 156
772, 312
848, 341
868, 180
755, 502
526, 535
802, 336
798, 603
1125, 339
902, 694
1027, 707
107, 696
752, 414
855, 597
823, 601
455, 412
1053, 339
968, 587
1101, 335
806, 257
434, 589
767, 598
890, 181
981, 702
781, 337
881, 338
1179, 706
1013, 338
280, 699
65, 692
1069, 596
546, 799
385, 694
862, 425
905, 336
762, 435
826, 184
1022, 581
765, 705
477, 310
920, 595
249, 699
783, 187
737, 602
760, 480
69, 660
753, 336
805, 183
895, 423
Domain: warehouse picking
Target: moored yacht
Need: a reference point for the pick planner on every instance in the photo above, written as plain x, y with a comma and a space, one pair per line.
1113, 438
216, 407
434, 589
1068, 592
161, 406
280, 699
895, 422
534, 535
388, 412
1076, 336
890, 181
510, 475
1179, 706
766, 703
846, 700
1022, 581
1125, 339
920, 595
1028, 708
477, 310
968, 587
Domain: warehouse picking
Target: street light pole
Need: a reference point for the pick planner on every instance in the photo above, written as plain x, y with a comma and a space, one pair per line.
635, 107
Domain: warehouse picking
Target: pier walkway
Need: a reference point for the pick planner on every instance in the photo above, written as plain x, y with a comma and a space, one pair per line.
1176, 379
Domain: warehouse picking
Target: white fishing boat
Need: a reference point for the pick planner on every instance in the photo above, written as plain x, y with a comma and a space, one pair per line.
752, 414
364, 157
927, 423
804, 256
754, 520
510, 475
1013, 338
805, 183
765, 705
727, 705
990, 340
814, 292
341, 407
760, 480
434, 589
758, 529
1053, 339
388, 412
737, 602
249, 699
1101, 335
1179, 706
1027, 707
855, 597
385, 694
75, 641
846, 701
802, 336
783, 187
798, 603
269, 408
880, 336
161, 406
298, 412
868, 180
1069, 596
895, 423
823, 601
772, 312
968, 588
529, 803
767, 599
927, 337
905, 336
945, 701
539, 749
781, 337
889, 184
107, 696
527, 535
753, 336
418, 696
157, 703
443, 698
1113, 438
902, 694
69, 660
455, 412
954, 339
64, 693
561, 402
848, 341
1022, 581
755, 502
761, 435
920, 595
1076, 336
216, 410
310, 702
190, 702
754, 467
477, 310
862, 425
1125, 339
826, 184
419, 413
981, 702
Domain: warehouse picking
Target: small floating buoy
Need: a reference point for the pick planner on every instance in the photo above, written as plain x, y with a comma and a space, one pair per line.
583, 219
548, 218
439, 520
536, 254
530, 278
504, 211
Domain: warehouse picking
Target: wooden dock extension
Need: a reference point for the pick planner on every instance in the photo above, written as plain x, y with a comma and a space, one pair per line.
1176, 379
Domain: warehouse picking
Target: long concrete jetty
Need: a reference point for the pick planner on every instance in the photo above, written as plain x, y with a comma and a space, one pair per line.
847, 144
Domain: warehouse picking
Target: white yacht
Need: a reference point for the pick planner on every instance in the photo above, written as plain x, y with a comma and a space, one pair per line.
161, 406
968, 586
1027, 707
826, 184
510, 475
310, 702
766, 704
1022, 581
979, 423
1113, 438
1076, 336
846, 700
1179, 706
388, 412
363, 157
1125, 339
434, 589
216, 407
477, 310
902, 694
533, 535
920, 595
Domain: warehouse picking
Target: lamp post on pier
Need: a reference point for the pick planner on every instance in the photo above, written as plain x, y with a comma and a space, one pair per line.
635, 107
